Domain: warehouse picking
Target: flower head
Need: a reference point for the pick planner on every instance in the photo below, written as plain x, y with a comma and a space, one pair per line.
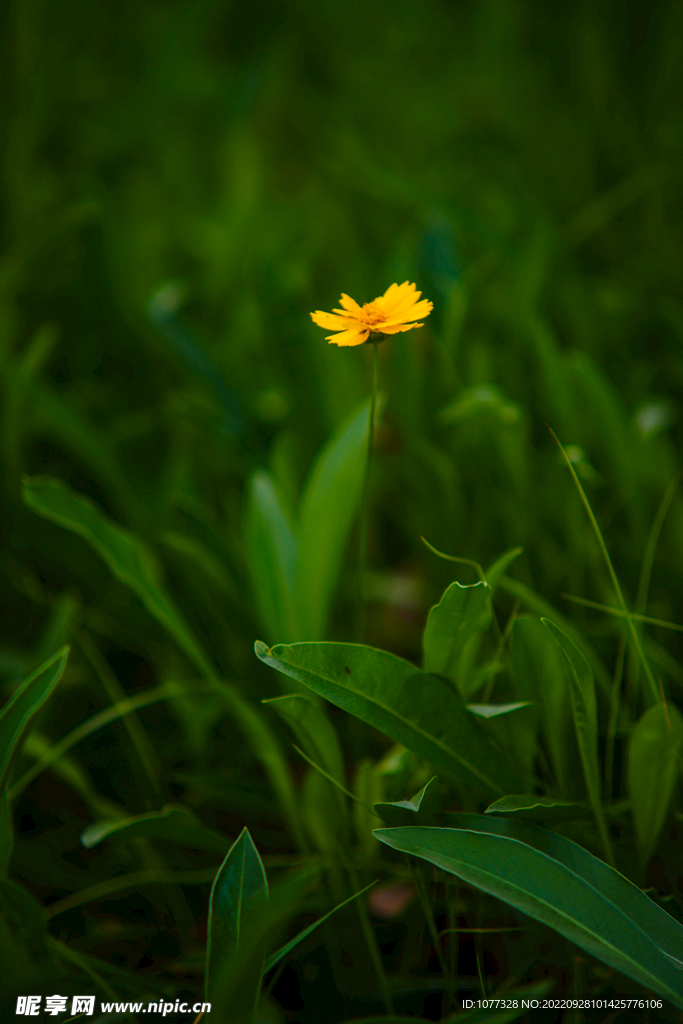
390, 313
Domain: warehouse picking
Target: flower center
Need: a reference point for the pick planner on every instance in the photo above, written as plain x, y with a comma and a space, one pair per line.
371, 315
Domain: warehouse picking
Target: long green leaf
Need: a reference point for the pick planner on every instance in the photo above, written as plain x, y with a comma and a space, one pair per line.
329, 505
579, 896
415, 708
128, 558
653, 769
24, 704
239, 892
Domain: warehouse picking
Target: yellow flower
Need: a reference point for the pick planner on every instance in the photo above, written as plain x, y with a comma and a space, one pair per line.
388, 314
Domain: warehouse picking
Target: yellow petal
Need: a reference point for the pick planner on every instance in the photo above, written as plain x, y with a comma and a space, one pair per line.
350, 318
423, 308
350, 304
353, 337
398, 298
396, 328
329, 320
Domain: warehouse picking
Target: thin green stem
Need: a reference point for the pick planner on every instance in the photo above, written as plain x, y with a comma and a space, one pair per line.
359, 631
613, 576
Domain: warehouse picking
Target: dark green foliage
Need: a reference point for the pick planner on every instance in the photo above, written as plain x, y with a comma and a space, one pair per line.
182, 467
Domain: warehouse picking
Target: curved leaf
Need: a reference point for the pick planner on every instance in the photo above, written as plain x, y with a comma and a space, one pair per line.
557, 882
415, 708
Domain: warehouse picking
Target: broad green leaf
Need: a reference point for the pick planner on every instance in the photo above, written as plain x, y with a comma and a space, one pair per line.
461, 614
239, 893
272, 551
653, 769
128, 558
417, 810
329, 505
174, 824
275, 958
585, 714
318, 739
24, 704
541, 675
415, 708
575, 896
536, 808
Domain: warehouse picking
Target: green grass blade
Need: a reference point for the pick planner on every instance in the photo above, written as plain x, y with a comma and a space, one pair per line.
635, 639
17, 713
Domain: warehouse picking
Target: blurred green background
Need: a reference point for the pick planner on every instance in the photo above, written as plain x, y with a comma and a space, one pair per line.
182, 182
